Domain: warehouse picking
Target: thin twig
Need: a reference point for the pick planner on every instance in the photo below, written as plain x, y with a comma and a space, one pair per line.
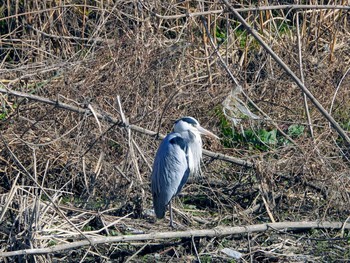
195, 249
10, 197
94, 113
337, 89
268, 210
136, 253
306, 106
259, 8
109, 41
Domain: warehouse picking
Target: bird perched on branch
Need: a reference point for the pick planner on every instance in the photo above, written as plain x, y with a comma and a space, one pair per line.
178, 157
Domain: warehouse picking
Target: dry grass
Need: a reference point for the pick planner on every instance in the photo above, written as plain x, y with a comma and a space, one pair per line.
64, 174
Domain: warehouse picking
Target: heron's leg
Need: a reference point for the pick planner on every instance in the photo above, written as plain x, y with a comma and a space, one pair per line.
171, 215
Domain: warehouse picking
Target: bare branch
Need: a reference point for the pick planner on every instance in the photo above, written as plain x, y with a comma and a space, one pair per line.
259, 8
108, 118
216, 232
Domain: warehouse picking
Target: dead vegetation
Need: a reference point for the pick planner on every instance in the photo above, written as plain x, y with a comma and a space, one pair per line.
70, 176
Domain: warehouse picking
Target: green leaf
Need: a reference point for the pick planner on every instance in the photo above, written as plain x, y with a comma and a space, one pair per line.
268, 137
295, 130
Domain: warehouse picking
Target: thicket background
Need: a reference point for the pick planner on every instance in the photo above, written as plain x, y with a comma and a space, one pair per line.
64, 172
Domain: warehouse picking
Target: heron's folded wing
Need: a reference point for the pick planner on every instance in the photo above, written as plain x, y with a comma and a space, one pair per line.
170, 171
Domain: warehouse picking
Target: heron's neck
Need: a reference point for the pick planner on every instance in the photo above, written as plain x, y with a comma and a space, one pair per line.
194, 152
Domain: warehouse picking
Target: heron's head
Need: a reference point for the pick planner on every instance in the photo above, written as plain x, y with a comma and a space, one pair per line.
191, 124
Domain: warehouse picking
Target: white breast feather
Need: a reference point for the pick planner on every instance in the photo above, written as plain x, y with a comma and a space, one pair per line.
191, 164
195, 156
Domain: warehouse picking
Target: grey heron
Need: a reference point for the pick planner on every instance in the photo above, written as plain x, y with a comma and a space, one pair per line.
178, 157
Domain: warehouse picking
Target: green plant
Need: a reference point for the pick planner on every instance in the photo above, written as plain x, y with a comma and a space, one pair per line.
220, 34
206, 258
242, 37
260, 139
295, 130
147, 258
346, 125
88, 228
52, 243
268, 137
240, 34
113, 233
3, 115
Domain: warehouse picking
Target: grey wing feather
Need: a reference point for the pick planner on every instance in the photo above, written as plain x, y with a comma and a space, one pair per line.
170, 172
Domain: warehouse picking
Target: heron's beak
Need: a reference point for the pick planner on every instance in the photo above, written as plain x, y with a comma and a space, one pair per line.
206, 132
